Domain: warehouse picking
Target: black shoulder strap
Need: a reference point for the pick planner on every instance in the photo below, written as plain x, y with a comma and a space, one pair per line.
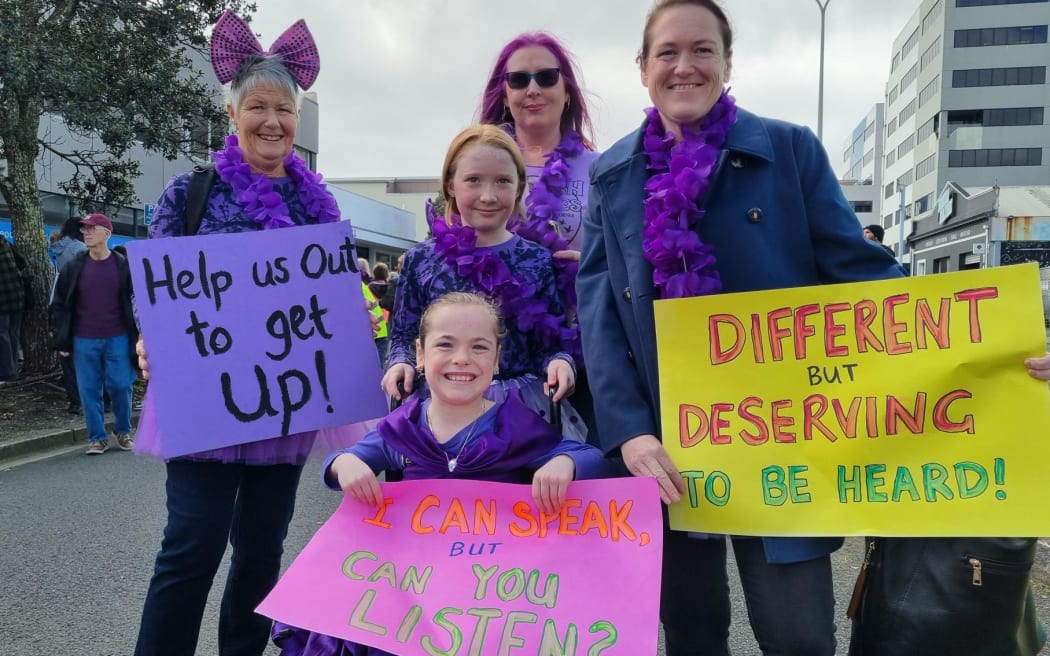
197, 197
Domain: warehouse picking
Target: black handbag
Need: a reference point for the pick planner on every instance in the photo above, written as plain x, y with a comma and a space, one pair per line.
946, 596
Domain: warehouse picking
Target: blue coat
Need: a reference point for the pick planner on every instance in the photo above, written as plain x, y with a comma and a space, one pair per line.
805, 234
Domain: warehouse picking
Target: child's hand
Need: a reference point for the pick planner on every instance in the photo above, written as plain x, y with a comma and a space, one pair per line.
357, 479
559, 372
551, 482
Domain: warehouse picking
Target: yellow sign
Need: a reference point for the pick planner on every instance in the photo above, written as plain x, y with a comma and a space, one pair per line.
896, 407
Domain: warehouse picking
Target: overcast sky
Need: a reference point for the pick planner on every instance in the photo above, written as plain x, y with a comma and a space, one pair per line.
399, 78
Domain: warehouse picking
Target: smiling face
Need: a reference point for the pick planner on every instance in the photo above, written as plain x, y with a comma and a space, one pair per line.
484, 187
265, 122
459, 352
535, 108
686, 66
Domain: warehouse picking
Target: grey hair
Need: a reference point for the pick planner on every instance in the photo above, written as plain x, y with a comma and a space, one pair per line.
267, 70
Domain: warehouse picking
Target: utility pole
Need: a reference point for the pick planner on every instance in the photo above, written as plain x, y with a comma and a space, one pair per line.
820, 97
904, 215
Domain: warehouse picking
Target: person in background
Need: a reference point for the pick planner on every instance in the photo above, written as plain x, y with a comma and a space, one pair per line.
455, 433
66, 244
366, 270
875, 233
534, 93
382, 289
93, 321
382, 335
706, 198
12, 301
70, 243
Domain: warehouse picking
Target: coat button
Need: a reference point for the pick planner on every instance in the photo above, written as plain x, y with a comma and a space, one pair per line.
627, 294
754, 215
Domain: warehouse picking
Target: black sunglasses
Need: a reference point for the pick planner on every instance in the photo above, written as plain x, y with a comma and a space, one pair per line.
546, 78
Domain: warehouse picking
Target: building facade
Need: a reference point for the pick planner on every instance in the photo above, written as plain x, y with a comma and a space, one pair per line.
860, 173
966, 102
410, 194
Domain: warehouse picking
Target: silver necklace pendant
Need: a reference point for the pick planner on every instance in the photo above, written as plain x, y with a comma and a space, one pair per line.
452, 465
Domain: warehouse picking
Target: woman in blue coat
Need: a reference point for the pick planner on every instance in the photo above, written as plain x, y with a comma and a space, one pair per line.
707, 198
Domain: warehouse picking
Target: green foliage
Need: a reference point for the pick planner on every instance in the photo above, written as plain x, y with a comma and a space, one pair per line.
115, 71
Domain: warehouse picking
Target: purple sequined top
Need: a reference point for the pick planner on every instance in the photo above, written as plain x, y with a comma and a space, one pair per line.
222, 215
425, 277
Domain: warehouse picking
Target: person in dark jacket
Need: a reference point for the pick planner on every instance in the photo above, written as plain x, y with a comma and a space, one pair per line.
93, 322
12, 301
876, 233
69, 243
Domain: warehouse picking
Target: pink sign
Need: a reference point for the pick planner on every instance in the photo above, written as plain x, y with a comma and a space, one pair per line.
468, 567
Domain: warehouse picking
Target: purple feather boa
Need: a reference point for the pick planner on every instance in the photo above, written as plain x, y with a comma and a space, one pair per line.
683, 265
490, 276
254, 191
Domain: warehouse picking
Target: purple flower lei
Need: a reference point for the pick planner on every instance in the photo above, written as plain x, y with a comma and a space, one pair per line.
255, 194
542, 206
490, 276
683, 265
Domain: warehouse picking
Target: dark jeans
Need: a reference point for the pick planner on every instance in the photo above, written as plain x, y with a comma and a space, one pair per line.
208, 503
790, 607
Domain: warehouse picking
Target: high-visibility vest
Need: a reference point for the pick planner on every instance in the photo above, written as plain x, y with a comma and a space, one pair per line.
373, 307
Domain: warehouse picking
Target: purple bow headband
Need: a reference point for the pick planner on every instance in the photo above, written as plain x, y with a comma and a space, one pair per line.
232, 42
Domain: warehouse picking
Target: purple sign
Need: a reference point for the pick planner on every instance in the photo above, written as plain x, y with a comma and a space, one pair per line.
255, 335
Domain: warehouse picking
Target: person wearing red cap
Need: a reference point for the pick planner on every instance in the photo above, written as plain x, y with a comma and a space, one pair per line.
93, 322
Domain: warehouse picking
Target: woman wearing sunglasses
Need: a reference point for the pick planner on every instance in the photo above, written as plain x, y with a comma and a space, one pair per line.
534, 93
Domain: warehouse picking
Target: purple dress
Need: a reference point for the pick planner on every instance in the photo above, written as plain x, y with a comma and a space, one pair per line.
224, 215
506, 445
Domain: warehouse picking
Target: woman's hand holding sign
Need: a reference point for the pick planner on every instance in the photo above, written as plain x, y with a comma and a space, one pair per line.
1039, 367
645, 456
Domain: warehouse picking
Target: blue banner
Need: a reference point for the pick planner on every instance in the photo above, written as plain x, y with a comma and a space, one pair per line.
5, 230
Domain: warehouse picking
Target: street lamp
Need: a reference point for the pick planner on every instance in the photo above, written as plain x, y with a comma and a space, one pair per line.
820, 98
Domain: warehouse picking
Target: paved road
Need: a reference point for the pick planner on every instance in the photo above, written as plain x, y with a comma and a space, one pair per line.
78, 536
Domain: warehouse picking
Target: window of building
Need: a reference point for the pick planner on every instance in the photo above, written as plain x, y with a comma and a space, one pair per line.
906, 146
999, 77
861, 206
891, 127
930, 54
869, 130
896, 61
910, 44
904, 180
923, 205
984, 3
930, 90
927, 129
906, 113
995, 157
891, 157
1000, 36
869, 157
909, 77
889, 190
940, 265
887, 220
847, 156
933, 14
893, 95
1007, 116
926, 167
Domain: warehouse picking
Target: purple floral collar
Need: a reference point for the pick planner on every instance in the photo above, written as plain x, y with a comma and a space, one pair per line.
490, 276
255, 194
540, 226
681, 173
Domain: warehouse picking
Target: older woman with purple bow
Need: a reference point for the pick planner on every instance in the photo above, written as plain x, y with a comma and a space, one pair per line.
245, 493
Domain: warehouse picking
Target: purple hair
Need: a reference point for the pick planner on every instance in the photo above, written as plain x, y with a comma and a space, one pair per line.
576, 117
